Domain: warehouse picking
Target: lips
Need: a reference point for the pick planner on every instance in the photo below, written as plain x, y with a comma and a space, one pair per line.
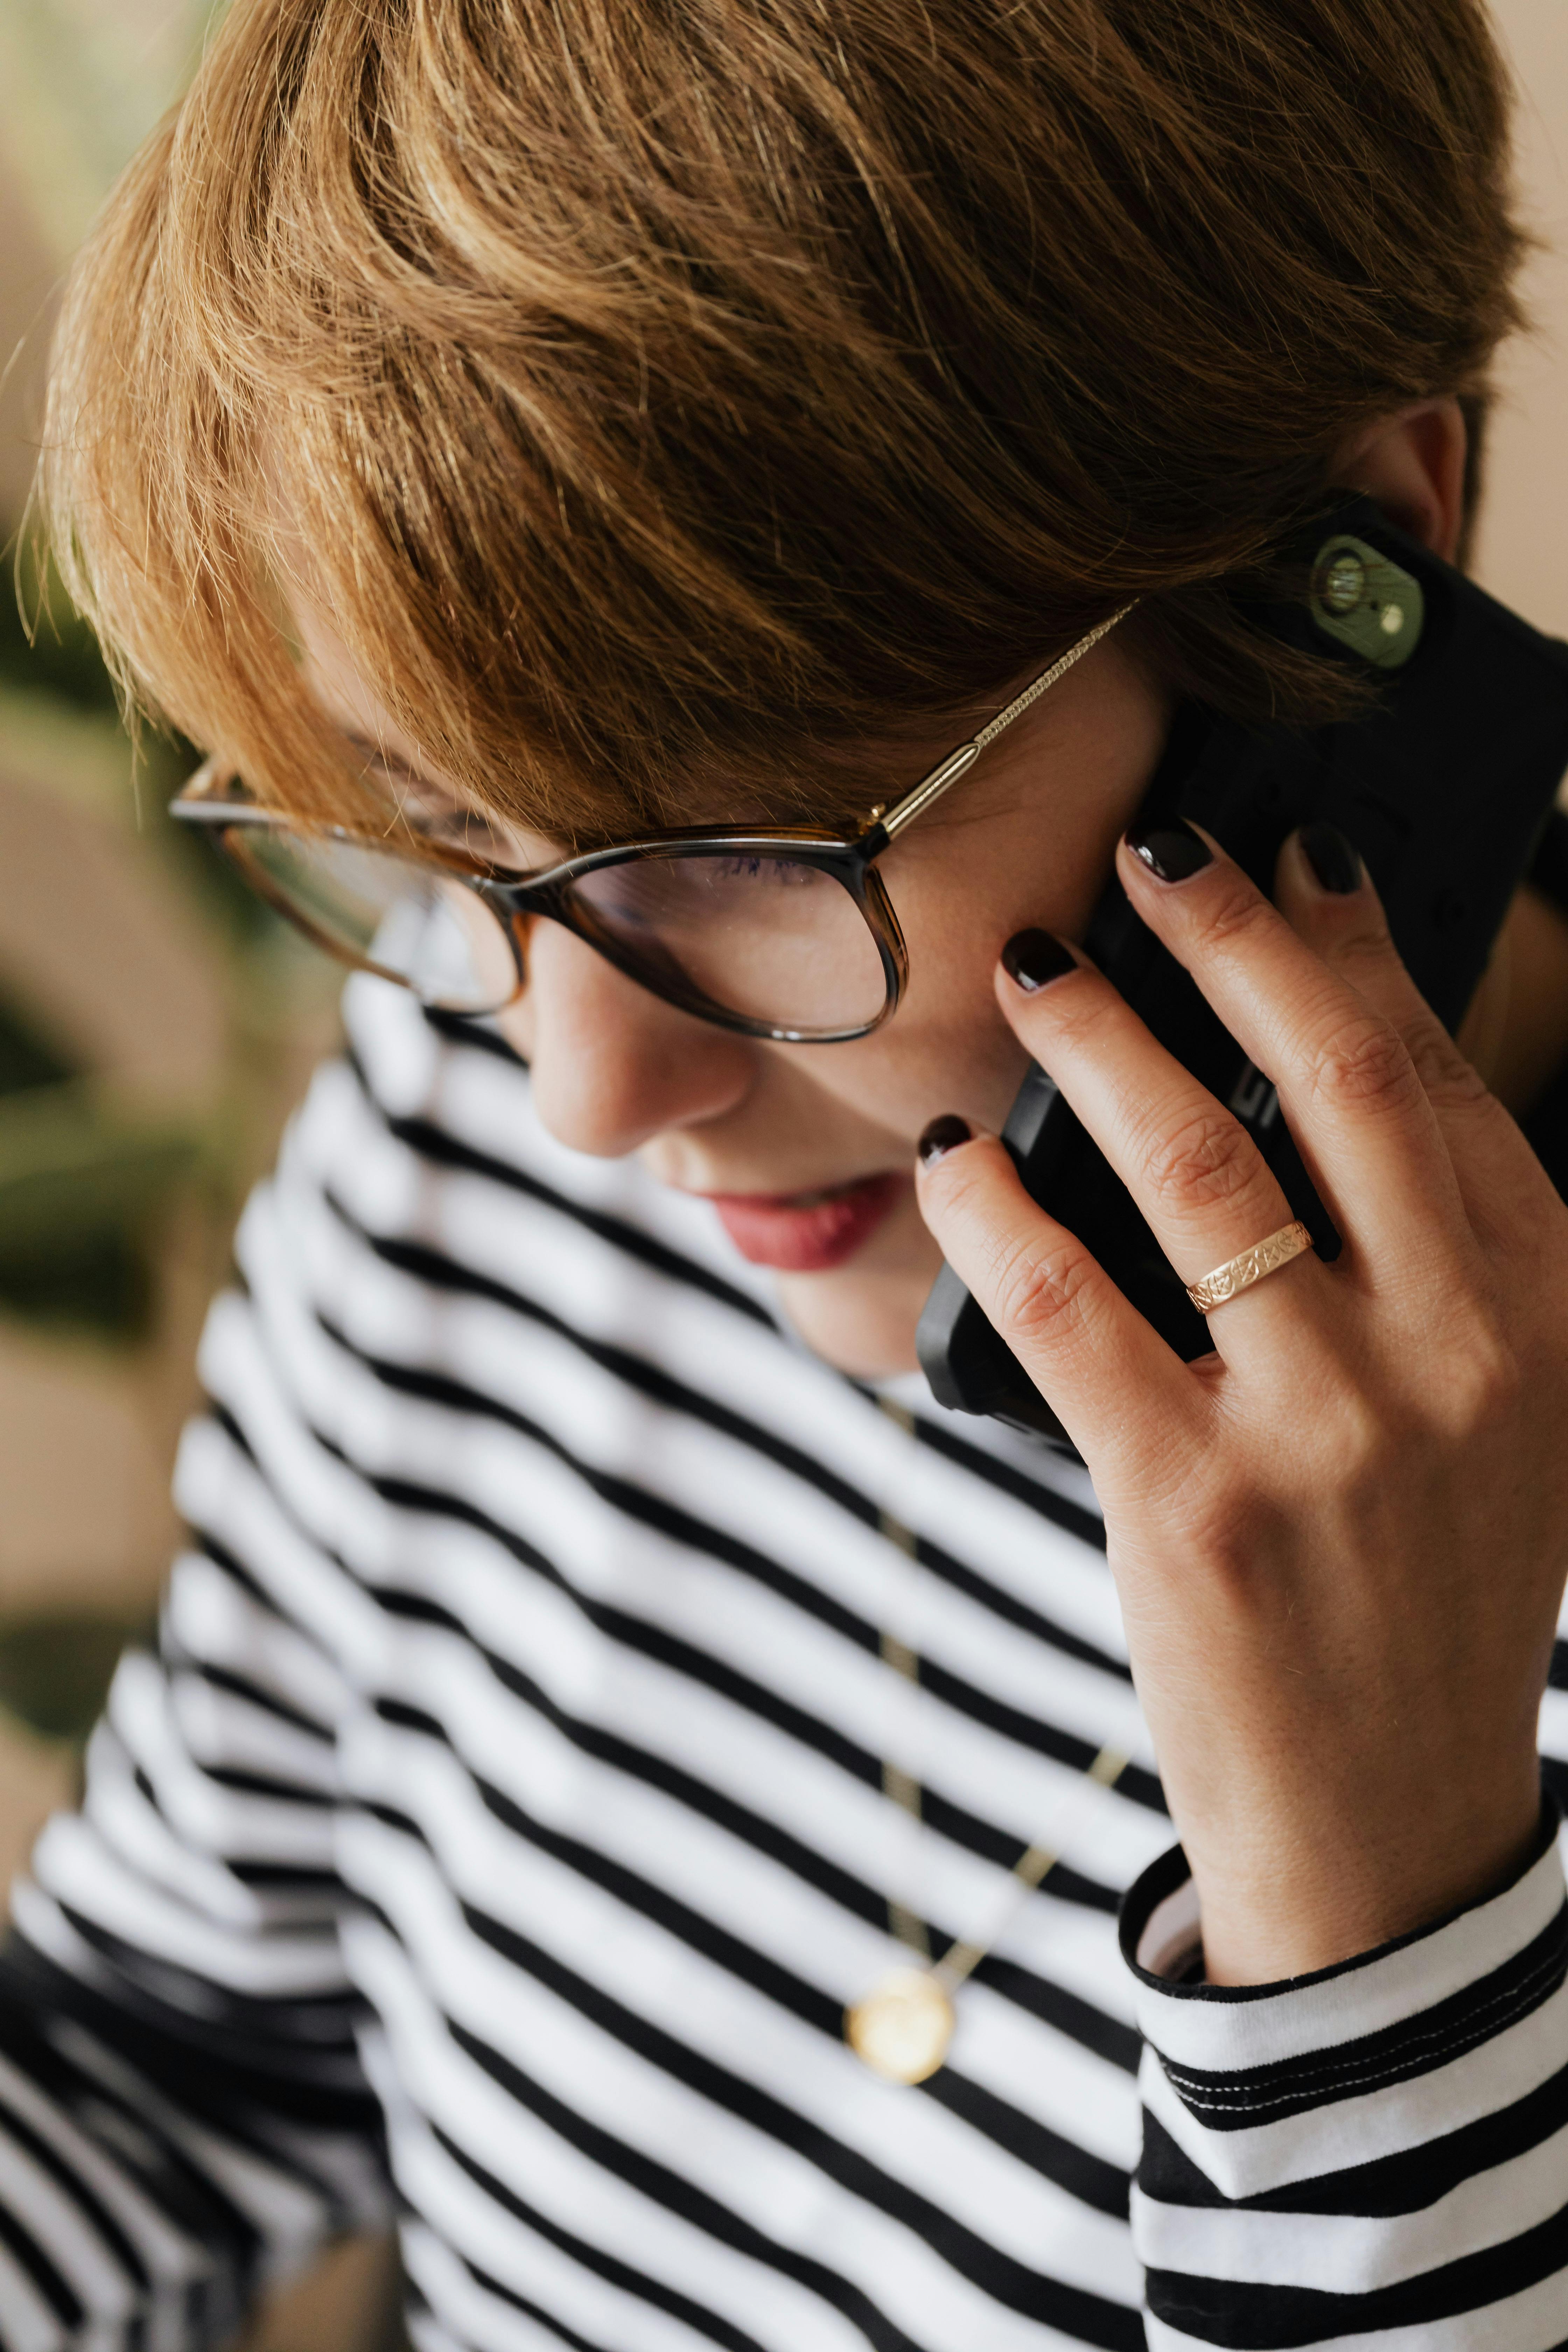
807, 1233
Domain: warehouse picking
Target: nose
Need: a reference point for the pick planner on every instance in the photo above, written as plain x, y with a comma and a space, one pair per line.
613, 1065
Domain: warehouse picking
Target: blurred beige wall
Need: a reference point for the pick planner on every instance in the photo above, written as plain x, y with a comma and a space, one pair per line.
28, 269
81, 83
1523, 553
81, 80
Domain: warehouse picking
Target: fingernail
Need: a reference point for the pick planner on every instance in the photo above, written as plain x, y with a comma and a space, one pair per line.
1033, 959
943, 1134
1332, 858
1171, 852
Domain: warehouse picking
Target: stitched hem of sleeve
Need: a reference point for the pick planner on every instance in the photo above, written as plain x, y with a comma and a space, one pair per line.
1207, 2024
1160, 1928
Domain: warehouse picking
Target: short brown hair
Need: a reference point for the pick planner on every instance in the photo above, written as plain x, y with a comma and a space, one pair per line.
668, 386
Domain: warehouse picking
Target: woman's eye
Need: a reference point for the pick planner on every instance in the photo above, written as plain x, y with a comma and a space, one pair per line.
447, 824
778, 872
474, 835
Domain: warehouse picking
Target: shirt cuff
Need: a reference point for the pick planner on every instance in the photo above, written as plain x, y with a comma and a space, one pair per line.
1263, 2085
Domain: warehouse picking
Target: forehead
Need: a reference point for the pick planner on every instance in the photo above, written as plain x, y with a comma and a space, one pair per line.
852, 779
340, 687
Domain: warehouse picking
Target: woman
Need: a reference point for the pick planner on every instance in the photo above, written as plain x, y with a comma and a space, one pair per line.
627, 1774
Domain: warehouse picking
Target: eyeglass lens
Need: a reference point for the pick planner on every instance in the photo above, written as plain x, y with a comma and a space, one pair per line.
412, 922
769, 939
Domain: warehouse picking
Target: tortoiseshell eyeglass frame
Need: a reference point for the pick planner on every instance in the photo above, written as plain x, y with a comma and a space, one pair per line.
213, 799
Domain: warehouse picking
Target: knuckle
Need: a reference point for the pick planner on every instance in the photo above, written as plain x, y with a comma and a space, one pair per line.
1364, 1065
1206, 1162
1235, 912
1482, 1382
1368, 1441
1464, 1395
1230, 1526
1362, 950
1445, 1074
1080, 1015
1044, 1292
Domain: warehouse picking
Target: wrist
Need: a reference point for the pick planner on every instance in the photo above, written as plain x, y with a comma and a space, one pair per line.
1292, 1896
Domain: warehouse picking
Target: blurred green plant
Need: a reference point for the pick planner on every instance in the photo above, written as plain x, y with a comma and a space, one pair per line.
27, 1059
80, 1177
84, 1178
46, 648
45, 645
55, 1672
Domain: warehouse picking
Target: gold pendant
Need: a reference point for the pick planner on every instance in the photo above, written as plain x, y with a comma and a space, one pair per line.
902, 2027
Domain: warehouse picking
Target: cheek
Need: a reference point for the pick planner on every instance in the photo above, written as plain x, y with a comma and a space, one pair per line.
961, 894
516, 1025
947, 1049
956, 1051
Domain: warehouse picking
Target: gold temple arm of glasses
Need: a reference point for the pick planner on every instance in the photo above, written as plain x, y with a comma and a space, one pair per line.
200, 803
958, 763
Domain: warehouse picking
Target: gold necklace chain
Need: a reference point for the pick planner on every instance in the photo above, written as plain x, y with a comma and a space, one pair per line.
904, 2025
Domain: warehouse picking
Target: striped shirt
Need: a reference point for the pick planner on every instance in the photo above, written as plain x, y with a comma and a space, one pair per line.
500, 1830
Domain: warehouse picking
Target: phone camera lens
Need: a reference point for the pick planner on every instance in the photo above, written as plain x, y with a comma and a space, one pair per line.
1344, 582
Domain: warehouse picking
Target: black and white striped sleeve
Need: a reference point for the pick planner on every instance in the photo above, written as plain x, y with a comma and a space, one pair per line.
1377, 2153
182, 2114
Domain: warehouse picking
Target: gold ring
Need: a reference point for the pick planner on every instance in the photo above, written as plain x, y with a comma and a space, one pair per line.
1252, 1265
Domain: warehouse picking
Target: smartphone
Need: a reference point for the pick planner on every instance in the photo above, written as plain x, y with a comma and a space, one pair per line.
1443, 783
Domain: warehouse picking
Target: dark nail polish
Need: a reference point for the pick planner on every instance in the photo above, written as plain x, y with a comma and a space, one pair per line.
1332, 858
943, 1134
1033, 959
1171, 852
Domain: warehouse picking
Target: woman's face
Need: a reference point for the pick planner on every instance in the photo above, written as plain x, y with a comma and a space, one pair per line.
806, 1150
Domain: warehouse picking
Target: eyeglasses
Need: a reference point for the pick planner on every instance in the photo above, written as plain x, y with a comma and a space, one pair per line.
785, 933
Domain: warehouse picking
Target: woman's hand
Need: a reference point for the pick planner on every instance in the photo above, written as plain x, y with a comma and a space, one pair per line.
1340, 1540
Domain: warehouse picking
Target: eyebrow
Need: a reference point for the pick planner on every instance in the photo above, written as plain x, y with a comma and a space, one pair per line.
431, 803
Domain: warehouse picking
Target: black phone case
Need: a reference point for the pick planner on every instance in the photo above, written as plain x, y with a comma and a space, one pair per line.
1444, 786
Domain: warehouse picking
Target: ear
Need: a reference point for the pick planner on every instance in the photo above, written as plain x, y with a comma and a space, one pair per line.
1413, 464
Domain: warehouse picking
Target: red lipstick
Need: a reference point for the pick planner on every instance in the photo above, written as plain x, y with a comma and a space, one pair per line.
807, 1233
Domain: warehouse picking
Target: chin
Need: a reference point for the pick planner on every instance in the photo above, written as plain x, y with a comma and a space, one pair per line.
861, 1320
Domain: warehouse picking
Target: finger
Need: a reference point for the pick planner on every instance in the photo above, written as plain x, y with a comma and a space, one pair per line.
1195, 1172
1324, 891
1084, 1347
1352, 1094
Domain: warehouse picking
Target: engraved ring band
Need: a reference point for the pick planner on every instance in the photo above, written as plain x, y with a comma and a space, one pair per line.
1238, 1273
